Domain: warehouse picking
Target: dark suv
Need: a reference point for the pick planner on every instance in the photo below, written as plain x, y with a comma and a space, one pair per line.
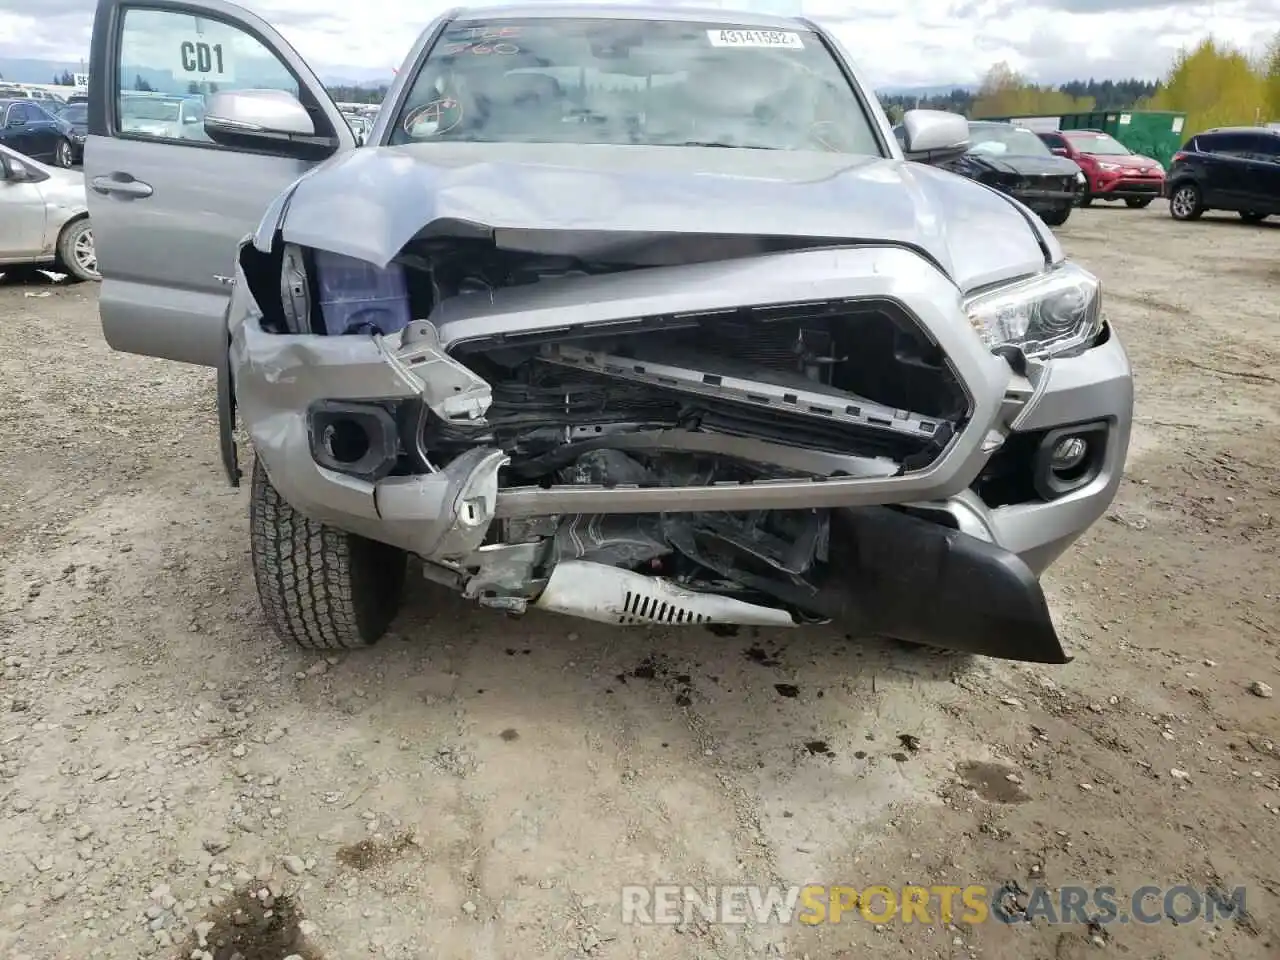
1230, 168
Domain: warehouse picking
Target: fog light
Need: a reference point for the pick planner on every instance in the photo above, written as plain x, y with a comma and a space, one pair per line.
1068, 454
1069, 458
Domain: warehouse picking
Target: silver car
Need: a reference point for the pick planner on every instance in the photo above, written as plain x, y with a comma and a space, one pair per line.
44, 217
636, 315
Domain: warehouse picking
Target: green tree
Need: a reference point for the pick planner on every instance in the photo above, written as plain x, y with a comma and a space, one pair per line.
1006, 93
140, 84
1215, 85
1271, 78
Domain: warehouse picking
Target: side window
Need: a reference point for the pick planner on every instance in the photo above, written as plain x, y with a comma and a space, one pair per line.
1268, 149
171, 63
1257, 146
1232, 145
1053, 141
21, 113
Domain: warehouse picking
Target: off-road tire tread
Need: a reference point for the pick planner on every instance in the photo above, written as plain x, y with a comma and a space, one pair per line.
321, 588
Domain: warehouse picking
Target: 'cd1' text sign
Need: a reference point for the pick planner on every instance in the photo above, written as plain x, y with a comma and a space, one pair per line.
202, 58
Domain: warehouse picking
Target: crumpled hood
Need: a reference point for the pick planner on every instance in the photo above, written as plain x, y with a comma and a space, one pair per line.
369, 203
1025, 166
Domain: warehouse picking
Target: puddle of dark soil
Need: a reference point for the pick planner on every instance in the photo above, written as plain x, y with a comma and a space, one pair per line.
252, 929
368, 854
761, 656
991, 781
788, 690
819, 748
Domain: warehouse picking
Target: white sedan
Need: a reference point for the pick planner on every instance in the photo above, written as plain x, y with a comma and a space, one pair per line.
44, 217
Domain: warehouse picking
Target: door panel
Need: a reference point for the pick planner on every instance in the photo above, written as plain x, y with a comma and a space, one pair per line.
22, 216
17, 134
1229, 172
1269, 175
45, 134
169, 206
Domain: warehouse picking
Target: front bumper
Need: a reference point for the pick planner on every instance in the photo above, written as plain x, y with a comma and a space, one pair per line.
1040, 200
1128, 187
445, 515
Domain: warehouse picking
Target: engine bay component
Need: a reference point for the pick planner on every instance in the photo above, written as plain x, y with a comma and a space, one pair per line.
594, 591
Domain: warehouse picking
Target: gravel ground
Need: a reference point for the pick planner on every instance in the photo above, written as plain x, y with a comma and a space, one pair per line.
174, 782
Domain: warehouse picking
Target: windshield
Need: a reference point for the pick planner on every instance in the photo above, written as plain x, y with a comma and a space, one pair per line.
552, 80
1001, 139
75, 113
145, 108
1099, 143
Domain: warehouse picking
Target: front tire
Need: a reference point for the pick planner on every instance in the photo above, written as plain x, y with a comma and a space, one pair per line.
1137, 203
1186, 203
321, 588
64, 155
1056, 218
76, 251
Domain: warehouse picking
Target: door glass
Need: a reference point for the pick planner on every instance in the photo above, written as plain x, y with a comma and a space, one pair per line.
171, 63
1227, 144
1268, 149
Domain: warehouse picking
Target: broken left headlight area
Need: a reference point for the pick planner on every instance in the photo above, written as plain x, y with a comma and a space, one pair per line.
411, 431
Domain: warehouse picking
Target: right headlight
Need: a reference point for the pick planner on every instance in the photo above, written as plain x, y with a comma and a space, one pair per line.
1055, 313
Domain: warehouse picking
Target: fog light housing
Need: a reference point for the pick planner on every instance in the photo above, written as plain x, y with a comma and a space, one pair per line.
358, 439
1069, 458
1068, 454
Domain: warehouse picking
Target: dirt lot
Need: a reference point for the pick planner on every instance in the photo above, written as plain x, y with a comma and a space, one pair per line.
482, 787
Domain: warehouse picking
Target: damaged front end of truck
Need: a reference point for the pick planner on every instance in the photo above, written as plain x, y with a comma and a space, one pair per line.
644, 427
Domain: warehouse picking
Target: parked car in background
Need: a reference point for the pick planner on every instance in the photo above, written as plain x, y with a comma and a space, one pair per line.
44, 217
31, 130
360, 126
1229, 168
1112, 171
28, 92
76, 116
160, 115
1014, 161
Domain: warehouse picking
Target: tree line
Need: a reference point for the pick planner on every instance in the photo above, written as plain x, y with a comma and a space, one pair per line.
1214, 84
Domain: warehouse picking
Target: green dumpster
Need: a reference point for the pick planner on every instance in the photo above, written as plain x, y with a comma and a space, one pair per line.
1153, 133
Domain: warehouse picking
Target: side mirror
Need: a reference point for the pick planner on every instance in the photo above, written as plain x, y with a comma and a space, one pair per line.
267, 116
933, 136
1059, 151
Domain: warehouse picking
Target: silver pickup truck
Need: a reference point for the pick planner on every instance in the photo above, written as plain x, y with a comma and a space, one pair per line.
640, 315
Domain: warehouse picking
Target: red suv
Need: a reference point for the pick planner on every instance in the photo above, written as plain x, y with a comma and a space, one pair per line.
1112, 170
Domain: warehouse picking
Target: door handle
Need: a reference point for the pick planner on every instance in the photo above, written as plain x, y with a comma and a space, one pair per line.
121, 184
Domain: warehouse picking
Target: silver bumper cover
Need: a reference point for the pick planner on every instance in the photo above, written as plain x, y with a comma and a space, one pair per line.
446, 514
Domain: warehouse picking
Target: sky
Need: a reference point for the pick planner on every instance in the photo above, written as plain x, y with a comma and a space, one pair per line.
896, 42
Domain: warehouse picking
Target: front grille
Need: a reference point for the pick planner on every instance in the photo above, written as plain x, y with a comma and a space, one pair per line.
850, 377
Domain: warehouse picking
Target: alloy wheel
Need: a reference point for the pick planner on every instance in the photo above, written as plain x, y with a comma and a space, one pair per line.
1184, 202
64, 158
86, 255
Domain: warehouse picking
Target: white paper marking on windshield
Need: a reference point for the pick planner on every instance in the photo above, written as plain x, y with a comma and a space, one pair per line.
755, 38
